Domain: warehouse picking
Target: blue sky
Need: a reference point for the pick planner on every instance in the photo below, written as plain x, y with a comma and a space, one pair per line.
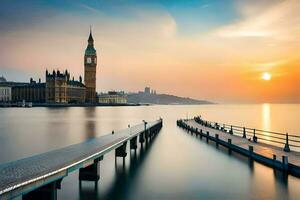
191, 16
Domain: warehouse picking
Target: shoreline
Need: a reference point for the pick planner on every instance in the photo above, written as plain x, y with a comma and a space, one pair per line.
15, 105
46, 105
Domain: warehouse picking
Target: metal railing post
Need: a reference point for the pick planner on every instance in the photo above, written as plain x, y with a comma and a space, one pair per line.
287, 146
254, 136
231, 130
244, 132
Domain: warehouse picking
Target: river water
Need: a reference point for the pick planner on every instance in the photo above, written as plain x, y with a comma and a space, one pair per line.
175, 166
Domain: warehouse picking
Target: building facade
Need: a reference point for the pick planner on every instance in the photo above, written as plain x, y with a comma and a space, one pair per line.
90, 63
29, 92
56, 87
60, 89
5, 94
2, 79
147, 90
5, 90
76, 92
112, 97
22, 91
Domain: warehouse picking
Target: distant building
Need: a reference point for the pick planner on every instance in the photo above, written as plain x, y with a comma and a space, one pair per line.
60, 89
5, 93
153, 92
29, 92
147, 90
112, 97
19, 91
5, 90
2, 79
56, 87
76, 91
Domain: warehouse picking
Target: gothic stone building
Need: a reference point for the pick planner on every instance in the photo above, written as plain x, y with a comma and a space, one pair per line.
60, 89
76, 91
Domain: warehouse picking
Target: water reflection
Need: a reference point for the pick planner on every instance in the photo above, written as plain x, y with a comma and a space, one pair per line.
266, 121
56, 127
127, 177
90, 124
125, 174
226, 151
88, 192
266, 117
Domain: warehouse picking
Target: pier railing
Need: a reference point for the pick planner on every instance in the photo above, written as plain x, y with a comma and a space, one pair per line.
284, 140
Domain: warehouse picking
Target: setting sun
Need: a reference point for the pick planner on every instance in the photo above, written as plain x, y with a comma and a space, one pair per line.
266, 76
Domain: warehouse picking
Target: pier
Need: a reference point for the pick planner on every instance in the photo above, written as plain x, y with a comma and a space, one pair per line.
276, 150
39, 177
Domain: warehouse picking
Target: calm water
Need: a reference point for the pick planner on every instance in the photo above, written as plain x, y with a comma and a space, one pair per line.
175, 166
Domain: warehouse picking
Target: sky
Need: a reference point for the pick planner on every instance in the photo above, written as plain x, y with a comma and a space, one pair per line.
229, 51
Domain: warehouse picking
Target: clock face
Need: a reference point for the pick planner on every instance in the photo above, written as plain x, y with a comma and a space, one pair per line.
89, 60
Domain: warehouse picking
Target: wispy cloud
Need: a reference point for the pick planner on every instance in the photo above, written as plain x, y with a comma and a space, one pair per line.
88, 8
205, 5
278, 21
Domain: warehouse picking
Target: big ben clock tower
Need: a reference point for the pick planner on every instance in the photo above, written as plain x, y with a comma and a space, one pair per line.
90, 63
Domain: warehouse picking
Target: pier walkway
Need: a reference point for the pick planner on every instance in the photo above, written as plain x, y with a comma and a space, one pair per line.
268, 154
39, 177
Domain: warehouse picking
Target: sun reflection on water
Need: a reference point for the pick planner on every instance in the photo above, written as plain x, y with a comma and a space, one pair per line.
266, 119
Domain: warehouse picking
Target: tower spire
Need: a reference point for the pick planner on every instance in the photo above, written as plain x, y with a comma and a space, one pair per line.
91, 36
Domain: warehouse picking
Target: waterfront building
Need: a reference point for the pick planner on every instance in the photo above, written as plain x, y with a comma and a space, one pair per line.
2, 79
76, 91
5, 93
19, 91
56, 87
60, 89
112, 97
29, 92
5, 90
153, 92
90, 63
147, 90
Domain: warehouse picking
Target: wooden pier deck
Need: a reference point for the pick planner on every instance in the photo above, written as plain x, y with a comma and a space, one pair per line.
29, 174
267, 154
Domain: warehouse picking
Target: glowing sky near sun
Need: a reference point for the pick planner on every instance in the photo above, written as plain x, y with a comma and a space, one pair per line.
206, 49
